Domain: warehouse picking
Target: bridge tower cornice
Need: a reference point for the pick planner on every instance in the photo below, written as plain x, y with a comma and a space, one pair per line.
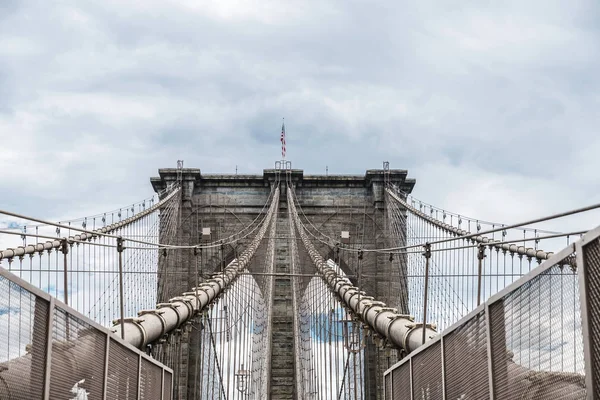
190, 178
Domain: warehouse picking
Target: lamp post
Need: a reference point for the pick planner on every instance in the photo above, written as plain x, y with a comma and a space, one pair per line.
241, 380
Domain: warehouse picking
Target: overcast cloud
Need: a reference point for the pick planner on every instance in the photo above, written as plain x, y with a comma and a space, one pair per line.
496, 101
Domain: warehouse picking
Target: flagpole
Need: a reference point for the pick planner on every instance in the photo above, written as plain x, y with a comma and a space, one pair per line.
283, 139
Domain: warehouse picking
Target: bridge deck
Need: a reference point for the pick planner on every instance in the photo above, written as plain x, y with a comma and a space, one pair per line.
282, 359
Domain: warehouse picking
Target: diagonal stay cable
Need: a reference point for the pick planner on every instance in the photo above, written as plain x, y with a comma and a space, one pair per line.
84, 233
479, 236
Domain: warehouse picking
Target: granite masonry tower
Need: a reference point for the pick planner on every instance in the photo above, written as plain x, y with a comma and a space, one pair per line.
224, 204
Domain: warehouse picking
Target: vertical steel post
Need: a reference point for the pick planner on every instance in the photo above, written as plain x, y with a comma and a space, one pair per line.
427, 255
65, 250
48, 349
480, 257
443, 362
410, 370
120, 249
139, 378
489, 349
390, 395
106, 358
162, 384
586, 310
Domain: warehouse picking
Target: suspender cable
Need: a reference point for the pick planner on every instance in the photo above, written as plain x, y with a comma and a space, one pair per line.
399, 330
153, 324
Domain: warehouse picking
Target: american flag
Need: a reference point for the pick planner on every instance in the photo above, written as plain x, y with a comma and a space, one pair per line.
283, 140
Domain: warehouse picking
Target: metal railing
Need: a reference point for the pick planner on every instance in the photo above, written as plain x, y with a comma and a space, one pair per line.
538, 338
50, 351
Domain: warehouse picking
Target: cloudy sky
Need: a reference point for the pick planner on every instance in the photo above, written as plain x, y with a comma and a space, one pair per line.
491, 106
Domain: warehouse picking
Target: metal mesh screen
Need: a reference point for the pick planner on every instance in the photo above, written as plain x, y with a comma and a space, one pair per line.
427, 373
122, 382
591, 258
78, 353
537, 339
498, 344
23, 337
150, 381
401, 382
388, 387
465, 361
167, 386
77, 356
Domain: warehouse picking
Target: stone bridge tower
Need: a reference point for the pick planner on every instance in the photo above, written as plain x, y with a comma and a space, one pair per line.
220, 205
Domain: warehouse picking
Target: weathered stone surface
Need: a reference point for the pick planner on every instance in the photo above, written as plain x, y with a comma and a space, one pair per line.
334, 203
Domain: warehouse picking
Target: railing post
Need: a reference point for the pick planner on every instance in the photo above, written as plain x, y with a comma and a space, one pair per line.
480, 257
391, 385
64, 247
583, 270
410, 370
139, 378
443, 361
120, 249
162, 384
489, 349
48, 349
427, 255
106, 358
